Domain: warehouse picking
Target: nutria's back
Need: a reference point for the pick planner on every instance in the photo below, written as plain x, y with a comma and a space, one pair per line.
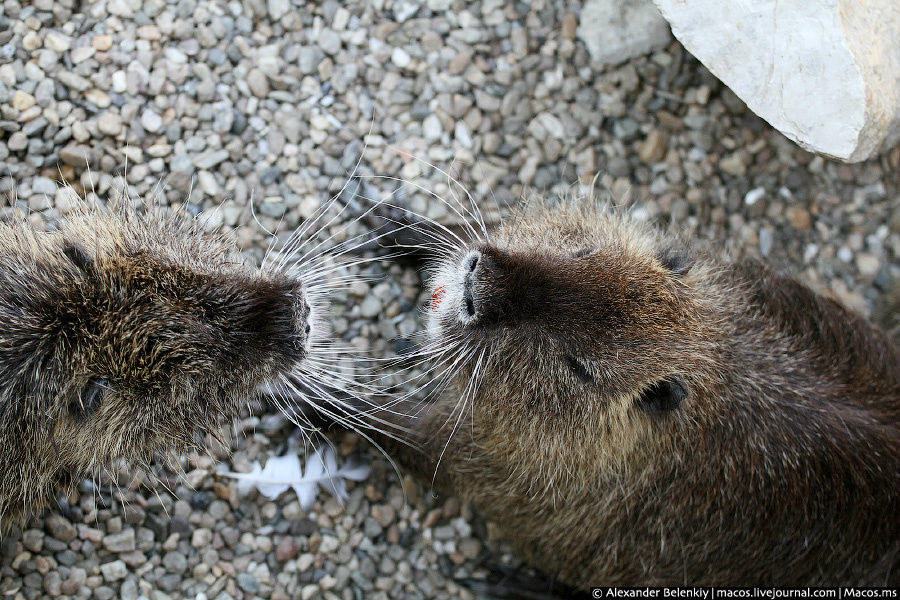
633, 412
123, 333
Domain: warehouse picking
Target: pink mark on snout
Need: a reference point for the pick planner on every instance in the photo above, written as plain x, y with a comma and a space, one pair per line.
437, 297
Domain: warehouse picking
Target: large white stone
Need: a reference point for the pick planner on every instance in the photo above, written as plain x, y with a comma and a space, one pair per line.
826, 73
615, 30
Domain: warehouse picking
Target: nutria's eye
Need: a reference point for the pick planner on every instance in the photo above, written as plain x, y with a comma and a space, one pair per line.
579, 370
583, 252
676, 260
664, 396
89, 399
78, 257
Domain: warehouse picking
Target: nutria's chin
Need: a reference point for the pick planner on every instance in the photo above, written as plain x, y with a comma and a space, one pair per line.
123, 334
635, 414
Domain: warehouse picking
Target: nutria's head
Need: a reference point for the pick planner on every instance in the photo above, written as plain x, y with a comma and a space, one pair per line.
122, 335
568, 319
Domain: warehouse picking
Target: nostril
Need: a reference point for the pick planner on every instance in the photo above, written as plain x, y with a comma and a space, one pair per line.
473, 262
308, 328
470, 303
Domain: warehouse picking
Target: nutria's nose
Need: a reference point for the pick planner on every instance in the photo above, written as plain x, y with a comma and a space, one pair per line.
301, 311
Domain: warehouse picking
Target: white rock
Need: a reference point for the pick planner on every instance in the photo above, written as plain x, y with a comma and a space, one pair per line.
754, 195
81, 54
22, 100
113, 571
123, 8
431, 128
207, 183
151, 121
824, 73
57, 41
109, 123
175, 56
278, 8
400, 57
119, 82
404, 10
616, 30
462, 135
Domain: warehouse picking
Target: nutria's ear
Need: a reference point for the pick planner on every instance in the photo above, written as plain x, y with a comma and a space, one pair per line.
79, 257
664, 396
677, 260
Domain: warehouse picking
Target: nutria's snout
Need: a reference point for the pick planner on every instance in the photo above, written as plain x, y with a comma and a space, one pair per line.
497, 288
470, 292
279, 318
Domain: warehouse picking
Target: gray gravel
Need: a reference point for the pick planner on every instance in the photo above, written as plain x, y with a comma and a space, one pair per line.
214, 104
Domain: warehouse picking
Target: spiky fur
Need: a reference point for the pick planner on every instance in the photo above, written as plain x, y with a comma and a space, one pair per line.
781, 467
175, 327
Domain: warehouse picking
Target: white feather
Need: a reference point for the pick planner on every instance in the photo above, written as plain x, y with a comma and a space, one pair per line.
283, 472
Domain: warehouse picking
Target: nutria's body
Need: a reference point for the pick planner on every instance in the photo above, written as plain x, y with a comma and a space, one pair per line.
124, 333
635, 415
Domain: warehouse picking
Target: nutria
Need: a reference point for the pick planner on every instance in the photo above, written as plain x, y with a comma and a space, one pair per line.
631, 411
124, 332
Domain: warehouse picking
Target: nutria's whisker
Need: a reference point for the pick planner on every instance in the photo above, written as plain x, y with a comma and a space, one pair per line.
474, 233
297, 238
460, 406
475, 212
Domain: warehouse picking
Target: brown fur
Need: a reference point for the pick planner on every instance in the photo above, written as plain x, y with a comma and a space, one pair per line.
782, 465
123, 334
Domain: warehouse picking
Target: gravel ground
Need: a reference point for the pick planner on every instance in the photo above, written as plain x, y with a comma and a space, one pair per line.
218, 104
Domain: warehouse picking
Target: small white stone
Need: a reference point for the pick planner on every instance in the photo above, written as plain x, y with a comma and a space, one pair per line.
552, 125
754, 195
57, 41
81, 54
113, 571
98, 97
405, 10
461, 132
278, 8
123, 8
22, 100
400, 57
341, 18
304, 562
119, 82
109, 123
371, 307
431, 128
33, 72
175, 56
43, 185
867, 264
151, 121
31, 41
8, 75
307, 592
80, 132
207, 183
